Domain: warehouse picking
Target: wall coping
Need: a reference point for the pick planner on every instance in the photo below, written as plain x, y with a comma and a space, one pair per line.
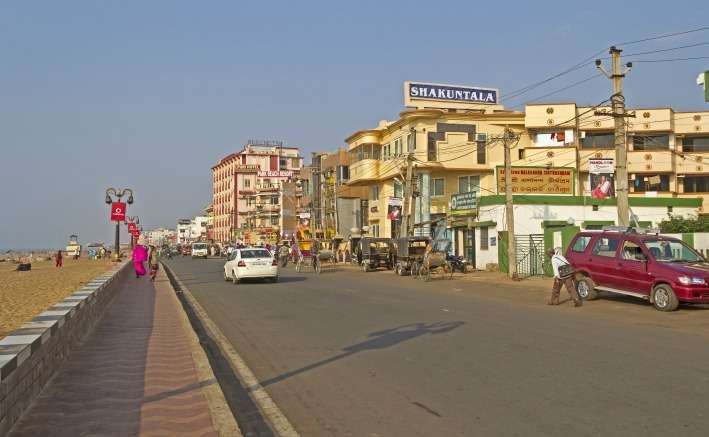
28, 339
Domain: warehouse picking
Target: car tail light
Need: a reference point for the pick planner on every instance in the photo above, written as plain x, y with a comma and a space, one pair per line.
241, 264
275, 262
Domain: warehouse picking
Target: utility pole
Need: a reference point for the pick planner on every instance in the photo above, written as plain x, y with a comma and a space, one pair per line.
408, 191
621, 147
509, 209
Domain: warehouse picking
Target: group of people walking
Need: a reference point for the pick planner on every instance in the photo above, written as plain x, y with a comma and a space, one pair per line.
141, 253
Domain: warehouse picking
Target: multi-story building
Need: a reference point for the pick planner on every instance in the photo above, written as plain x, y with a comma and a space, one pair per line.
161, 237
248, 191
455, 137
184, 231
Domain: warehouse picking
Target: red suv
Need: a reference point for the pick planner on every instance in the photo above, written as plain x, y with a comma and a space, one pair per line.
663, 270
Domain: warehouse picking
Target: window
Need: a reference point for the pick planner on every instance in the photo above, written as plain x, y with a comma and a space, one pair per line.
375, 230
672, 250
282, 163
651, 142
632, 252
484, 238
599, 140
247, 183
696, 184
437, 187
274, 220
274, 200
398, 149
695, 144
398, 190
581, 243
605, 247
481, 147
650, 182
410, 143
469, 184
255, 253
374, 192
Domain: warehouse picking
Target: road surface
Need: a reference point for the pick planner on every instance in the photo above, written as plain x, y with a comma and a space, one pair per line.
348, 353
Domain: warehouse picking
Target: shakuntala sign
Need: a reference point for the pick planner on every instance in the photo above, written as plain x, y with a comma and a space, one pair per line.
537, 180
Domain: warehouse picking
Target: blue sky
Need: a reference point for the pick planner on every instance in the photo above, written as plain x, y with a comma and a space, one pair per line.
150, 94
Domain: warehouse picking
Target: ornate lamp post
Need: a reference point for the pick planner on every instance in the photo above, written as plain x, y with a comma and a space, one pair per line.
132, 220
116, 215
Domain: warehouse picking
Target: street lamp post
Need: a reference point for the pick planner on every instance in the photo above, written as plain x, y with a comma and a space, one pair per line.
118, 194
133, 219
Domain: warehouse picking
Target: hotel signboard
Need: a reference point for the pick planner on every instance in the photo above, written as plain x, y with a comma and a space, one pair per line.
421, 94
537, 180
275, 174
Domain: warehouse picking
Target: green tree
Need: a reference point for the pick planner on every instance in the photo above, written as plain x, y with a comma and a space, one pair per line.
679, 225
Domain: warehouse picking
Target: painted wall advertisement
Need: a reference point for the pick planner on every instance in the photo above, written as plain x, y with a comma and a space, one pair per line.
394, 205
602, 178
537, 180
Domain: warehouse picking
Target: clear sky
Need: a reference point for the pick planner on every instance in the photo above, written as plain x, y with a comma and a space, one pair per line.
151, 94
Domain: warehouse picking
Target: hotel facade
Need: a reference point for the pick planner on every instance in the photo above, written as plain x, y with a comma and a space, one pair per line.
562, 158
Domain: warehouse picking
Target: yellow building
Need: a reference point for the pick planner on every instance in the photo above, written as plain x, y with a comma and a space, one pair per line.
454, 135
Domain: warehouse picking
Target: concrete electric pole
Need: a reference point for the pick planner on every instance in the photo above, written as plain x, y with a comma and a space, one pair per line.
621, 146
408, 191
509, 208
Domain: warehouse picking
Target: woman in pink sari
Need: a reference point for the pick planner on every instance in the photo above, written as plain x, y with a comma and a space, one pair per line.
140, 254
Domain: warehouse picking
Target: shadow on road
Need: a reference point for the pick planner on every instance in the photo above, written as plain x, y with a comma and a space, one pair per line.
375, 341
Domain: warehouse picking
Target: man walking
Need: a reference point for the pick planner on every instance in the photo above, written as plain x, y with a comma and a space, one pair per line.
563, 274
59, 258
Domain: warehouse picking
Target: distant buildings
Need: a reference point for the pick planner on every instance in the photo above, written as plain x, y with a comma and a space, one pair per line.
254, 194
161, 237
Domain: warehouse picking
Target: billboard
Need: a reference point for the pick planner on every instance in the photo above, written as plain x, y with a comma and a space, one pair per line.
423, 94
118, 211
602, 178
537, 180
394, 208
464, 201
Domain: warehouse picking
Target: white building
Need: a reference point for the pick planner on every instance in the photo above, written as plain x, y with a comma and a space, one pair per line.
161, 236
184, 231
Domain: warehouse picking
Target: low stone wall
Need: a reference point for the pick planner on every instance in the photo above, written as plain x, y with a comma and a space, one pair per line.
30, 355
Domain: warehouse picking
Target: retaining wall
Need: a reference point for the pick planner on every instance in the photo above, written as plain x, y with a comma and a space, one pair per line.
30, 355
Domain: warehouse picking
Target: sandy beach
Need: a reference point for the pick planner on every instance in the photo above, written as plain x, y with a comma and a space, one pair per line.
23, 295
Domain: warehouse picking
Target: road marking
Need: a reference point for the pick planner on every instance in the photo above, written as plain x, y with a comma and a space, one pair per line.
269, 409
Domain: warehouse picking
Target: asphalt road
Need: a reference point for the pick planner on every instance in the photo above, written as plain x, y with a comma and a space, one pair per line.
371, 354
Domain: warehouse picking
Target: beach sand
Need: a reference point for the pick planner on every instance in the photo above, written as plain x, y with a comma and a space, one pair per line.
23, 295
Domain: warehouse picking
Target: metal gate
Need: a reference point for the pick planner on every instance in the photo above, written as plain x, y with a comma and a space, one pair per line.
530, 255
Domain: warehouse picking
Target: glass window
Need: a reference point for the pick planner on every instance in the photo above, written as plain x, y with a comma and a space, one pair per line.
581, 243
651, 182
283, 163
376, 150
247, 183
606, 246
437, 186
274, 220
398, 149
375, 230
484, 238
481, 145
374, 192
632, 252
398, 190
672, 251
255, 253
468, 184
274, 200
651, 142
386, 151
695, 144
600, 140
410, 143
696, 184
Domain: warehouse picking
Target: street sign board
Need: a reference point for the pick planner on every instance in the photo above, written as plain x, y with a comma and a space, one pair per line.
537, 180
118, 211
464, 201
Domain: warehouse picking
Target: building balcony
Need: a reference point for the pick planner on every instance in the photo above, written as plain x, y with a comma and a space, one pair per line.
650, 161
364, 171
267, 187
692, 163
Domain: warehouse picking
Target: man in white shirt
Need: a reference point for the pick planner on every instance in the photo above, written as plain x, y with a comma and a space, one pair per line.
565, 277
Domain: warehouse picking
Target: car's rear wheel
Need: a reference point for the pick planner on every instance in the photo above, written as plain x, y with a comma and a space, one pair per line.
586, 288
226, 277
664, 298
234, 278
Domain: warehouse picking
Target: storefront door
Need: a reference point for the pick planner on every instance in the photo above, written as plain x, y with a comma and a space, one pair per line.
469, 245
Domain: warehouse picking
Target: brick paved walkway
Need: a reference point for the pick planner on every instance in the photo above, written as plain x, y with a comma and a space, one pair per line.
134, 376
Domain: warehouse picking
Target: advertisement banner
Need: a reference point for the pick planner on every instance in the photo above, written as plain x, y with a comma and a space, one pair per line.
537, 180
118, 211
394, 208
602, 185
275, 174
464, 201
132, 227
601, 165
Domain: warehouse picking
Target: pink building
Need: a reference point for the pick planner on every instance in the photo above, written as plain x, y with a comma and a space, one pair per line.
248, 191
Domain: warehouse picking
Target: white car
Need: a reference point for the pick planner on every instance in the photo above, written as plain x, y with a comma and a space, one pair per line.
200, 250
251, 262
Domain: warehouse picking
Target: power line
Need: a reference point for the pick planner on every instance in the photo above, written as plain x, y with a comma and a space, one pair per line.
582, 81
672, 59
668, 50
667, 35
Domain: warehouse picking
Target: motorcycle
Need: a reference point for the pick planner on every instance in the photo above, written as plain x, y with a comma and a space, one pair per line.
458, 263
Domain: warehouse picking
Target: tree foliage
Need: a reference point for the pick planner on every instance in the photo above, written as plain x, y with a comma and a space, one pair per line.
679, 225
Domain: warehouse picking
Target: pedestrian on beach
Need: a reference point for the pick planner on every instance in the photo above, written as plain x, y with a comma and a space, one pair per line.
59, 258
140, 254
153, 262
563, 275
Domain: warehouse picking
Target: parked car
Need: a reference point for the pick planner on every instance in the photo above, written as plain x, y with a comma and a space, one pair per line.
186, 250
250, 262
663, 270
200, 250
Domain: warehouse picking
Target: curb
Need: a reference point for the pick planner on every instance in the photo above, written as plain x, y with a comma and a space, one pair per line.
222, 418
268, 408
31, 354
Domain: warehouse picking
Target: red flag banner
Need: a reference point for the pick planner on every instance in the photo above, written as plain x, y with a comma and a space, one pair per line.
118, 211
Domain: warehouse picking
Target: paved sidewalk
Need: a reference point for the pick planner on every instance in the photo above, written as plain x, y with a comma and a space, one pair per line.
134, 376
